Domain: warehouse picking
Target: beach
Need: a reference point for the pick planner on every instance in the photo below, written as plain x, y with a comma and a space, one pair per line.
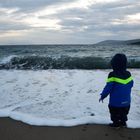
60, 97
15, 130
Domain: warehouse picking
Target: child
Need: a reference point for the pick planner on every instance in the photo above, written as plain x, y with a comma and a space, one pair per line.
119, 84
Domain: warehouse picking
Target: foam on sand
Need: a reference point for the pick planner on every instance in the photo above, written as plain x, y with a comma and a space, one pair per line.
60, 97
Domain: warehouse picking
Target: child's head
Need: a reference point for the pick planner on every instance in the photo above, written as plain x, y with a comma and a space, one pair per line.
119, 62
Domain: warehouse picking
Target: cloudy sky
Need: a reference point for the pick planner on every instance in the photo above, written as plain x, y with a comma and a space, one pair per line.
68, 21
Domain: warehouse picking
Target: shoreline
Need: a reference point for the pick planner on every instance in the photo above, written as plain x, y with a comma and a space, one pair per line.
14, 130
58, 98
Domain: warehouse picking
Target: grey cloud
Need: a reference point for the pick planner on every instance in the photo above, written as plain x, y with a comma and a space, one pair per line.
97, 21
73, 22
115, 9
115, 5
114, 28
29, 5
8, 26
68, 13
100, 17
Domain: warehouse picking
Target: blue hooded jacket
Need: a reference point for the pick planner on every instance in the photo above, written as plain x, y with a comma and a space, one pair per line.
119, 83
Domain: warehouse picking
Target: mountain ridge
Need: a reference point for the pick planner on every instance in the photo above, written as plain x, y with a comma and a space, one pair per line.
120, 42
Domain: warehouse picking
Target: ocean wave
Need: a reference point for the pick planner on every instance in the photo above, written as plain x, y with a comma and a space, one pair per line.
64, 62
7, 59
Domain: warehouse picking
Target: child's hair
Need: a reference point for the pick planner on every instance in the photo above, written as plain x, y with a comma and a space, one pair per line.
119, 62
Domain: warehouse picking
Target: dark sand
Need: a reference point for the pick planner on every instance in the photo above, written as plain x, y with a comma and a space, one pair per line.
15, 130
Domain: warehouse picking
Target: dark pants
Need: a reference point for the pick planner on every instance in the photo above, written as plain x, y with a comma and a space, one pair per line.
119, 114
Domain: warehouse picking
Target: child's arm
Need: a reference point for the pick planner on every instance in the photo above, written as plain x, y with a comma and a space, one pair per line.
107, 90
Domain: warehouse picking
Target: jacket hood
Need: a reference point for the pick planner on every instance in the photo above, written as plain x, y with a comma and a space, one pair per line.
119, 62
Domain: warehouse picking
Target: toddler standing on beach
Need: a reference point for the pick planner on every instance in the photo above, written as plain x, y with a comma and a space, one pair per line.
118, 86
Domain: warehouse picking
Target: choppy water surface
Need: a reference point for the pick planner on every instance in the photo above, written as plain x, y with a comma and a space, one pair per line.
65, 56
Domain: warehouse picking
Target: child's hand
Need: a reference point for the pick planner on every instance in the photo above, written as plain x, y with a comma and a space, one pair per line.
101, 100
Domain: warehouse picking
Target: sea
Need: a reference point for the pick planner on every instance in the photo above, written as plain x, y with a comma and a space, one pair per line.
60, 85
37, 57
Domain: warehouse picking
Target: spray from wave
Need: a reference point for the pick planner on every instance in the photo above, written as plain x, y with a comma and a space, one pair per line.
63, 62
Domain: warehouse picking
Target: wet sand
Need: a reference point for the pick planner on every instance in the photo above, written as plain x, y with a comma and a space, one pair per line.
16, 130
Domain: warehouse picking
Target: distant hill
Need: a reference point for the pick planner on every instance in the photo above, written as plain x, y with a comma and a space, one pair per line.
120, 42
133, 42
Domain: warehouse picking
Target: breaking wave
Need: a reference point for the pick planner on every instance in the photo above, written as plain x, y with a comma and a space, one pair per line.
63, 62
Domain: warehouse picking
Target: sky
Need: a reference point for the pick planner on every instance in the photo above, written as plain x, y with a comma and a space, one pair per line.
68, 21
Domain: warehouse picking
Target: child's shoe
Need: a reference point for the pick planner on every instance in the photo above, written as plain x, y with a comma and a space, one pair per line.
116, 125
123, 124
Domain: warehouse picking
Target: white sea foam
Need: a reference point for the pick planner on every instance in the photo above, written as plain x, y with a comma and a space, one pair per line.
7, 59
60, 97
